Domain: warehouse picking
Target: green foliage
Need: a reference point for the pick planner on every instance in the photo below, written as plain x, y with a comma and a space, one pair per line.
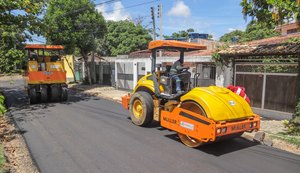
288, 138
74, 24
221, 61
180, 34
297, 110
210, 37
258, 30
270, 11
123, 37
293, 126
254, 31
2, 105
2, 159
294, 40
190, 30
15, 28
228, 37
10, 59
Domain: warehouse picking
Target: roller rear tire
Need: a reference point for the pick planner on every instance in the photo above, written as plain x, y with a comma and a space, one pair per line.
55, 93
64, 94
32, 95
185, 139
44, 94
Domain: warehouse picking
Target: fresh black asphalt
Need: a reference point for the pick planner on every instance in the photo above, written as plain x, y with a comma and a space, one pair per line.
89, 134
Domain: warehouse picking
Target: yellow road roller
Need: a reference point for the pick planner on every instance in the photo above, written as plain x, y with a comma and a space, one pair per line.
199, 115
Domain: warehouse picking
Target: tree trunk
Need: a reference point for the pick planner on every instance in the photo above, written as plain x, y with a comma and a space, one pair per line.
72, 69
87, 67
93, 68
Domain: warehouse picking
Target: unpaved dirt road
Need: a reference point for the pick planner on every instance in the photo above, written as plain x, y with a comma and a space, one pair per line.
89, 134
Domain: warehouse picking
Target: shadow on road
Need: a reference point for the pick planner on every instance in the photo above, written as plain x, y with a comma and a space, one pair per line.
221, 147
20, 109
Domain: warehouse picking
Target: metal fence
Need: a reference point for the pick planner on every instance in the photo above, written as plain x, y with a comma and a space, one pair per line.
124, 75
101, 72
268, 86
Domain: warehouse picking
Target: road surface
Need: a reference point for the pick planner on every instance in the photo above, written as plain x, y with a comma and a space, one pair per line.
89, 134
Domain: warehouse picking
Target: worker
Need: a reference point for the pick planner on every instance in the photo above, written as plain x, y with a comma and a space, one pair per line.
175, 71
33, 56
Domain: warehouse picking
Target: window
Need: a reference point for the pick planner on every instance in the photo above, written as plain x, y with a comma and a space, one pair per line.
209, 72
290, 31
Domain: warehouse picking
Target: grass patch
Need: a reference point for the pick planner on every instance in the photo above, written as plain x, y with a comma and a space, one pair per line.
2, 159
288, 138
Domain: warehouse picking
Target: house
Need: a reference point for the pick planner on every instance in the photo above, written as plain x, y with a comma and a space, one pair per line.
268, 69
130, 68
289, 28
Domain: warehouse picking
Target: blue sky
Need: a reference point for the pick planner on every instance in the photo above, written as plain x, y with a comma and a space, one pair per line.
215, 17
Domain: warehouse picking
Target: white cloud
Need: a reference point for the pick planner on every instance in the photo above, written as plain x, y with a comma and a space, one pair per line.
116, 13
180, 9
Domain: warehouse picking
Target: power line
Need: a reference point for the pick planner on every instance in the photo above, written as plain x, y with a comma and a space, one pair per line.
83, 8
136, 5
106, 2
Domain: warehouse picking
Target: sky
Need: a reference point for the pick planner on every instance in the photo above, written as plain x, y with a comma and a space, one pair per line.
215, 17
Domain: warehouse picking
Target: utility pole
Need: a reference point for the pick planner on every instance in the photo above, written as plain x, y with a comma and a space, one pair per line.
153, 23
159, 15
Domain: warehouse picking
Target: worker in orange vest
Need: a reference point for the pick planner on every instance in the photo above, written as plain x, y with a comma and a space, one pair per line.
241, 91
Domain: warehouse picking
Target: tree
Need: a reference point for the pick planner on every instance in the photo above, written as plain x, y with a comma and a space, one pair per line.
232, 36
258, 30
180, 34
210, 37
15, 28
190, 30
74, 24
123, 37
271, 11
278, 12
254, 31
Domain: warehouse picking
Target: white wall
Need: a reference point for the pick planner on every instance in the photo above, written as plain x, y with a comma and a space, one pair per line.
159, 60
224, 76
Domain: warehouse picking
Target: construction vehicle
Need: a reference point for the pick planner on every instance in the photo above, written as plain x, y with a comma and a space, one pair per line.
46, 75
199, 115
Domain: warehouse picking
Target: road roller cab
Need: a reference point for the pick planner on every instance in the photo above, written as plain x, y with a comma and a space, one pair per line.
199, 115
46, 75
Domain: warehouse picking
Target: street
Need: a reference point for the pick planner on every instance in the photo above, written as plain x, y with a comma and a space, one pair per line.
90, 134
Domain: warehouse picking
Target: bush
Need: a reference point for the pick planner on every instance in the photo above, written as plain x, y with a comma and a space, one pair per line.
10, 60
2, 106
2, 159
293, 126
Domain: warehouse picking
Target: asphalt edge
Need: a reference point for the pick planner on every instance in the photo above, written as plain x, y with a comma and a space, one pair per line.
10, 116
